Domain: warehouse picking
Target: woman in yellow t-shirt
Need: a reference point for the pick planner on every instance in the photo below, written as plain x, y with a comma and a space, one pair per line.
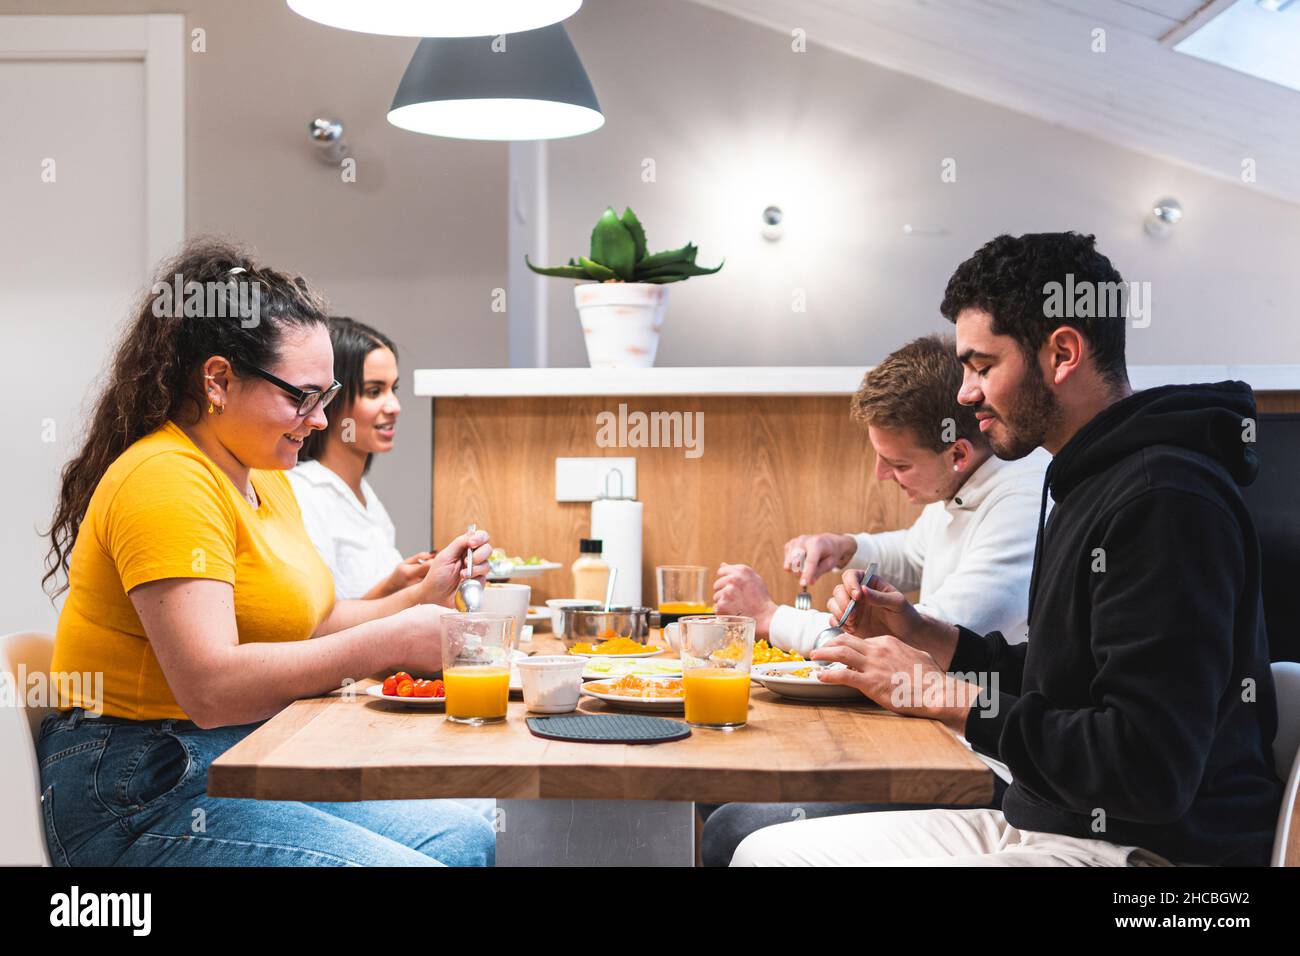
201, 606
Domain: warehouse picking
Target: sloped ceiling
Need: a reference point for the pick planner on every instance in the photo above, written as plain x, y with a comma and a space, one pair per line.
1037, 57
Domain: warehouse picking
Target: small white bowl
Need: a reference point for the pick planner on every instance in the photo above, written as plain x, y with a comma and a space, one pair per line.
673, 636
551, 683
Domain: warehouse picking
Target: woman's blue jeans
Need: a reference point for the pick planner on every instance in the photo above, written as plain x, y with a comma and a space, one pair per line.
121, 792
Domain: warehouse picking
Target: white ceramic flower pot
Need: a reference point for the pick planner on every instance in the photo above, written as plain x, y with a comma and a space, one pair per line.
621, 322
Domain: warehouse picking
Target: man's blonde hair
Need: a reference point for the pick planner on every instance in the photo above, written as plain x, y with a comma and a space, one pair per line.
915, 389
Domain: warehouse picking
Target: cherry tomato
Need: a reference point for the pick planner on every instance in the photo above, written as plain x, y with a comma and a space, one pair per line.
406, 688
423, 688
439, 689
390, 687
401, 676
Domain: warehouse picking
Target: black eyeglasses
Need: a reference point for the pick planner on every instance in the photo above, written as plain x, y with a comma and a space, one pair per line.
308, 398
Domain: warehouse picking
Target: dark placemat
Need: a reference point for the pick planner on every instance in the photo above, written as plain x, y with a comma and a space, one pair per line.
608, 728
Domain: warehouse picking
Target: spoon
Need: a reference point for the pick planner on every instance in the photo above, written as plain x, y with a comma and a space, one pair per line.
833, 632
471, 589
609, 589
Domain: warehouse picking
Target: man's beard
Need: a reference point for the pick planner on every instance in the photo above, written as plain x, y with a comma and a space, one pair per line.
1034, 412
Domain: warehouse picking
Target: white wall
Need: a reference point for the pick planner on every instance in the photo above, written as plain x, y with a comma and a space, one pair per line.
735, 120
88, 117
414, 247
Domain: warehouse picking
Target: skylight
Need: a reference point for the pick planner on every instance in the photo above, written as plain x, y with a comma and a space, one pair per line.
1258, 37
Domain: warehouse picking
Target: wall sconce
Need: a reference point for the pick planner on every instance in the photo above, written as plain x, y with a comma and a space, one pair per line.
327, 138
772, 227
1164, 215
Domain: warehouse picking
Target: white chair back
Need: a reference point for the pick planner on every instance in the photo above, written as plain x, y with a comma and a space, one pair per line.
1286, 758
22, 829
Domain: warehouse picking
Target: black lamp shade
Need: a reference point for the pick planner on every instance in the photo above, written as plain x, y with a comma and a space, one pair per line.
470, 88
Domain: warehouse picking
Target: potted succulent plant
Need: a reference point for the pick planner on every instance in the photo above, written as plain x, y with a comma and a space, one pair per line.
622, 306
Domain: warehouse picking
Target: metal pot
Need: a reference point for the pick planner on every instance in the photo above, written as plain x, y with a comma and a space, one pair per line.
593, 625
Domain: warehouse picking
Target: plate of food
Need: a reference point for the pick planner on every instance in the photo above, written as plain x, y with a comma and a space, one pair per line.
798, 680
537, 614
657, 694
502, 566
429, 693
613, 647
600, 668
402, 688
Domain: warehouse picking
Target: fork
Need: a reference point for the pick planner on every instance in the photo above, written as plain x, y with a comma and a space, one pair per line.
803, 600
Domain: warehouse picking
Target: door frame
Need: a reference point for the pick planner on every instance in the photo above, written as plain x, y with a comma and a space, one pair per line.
156, 40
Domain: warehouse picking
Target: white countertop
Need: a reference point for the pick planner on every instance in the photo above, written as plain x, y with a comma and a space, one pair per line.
764, 380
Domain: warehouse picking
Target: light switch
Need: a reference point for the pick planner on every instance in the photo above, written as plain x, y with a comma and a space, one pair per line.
586, 479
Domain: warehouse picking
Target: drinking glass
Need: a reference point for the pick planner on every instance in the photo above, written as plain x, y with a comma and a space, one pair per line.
717, 653
476, 653
682, 591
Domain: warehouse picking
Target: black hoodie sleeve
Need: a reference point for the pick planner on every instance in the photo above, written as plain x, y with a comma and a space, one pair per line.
988, 654
1162, 619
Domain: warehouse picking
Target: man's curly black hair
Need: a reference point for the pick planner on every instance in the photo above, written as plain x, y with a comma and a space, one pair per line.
1007, 278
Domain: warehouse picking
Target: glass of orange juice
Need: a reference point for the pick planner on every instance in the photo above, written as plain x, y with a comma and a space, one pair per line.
682, 591
717, 652
476, 666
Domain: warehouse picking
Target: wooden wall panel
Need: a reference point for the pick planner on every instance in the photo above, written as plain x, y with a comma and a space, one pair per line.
771, 468
1278, 401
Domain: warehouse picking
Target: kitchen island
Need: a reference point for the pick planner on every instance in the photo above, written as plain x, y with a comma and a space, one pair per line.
772, 453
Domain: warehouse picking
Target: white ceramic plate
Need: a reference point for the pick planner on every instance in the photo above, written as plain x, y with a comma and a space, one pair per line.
620, 657
536, 614
774, 678
516, 684
525, 571
377, 691
653, 704
614, 669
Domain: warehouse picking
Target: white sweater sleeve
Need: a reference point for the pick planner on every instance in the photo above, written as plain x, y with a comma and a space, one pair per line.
989, 588
795, 630
900, 555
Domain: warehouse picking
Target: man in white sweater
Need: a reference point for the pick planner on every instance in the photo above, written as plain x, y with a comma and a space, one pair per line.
971, 549
970, 552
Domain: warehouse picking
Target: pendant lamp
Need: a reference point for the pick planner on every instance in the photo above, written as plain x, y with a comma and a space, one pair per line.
436, 18
522, 86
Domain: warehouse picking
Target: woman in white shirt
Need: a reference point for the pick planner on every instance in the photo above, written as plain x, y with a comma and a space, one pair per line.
344, 517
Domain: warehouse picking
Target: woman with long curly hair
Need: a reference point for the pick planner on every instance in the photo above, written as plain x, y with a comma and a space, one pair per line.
193, 588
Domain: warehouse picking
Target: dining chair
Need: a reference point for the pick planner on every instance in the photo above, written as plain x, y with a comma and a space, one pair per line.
1286, 758
22, 830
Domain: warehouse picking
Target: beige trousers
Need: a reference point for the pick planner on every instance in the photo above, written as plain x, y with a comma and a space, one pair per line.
927, 838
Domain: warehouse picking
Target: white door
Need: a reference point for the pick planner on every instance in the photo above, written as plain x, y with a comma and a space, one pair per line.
81, 215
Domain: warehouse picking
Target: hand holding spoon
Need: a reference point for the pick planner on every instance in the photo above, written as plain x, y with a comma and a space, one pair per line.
471, 589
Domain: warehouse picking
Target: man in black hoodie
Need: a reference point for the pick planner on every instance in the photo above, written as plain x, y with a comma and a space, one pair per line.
1138, 719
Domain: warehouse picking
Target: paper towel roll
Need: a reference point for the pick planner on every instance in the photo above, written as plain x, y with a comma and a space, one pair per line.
617, 523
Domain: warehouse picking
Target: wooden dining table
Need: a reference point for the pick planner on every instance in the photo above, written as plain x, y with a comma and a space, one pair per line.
563, 802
